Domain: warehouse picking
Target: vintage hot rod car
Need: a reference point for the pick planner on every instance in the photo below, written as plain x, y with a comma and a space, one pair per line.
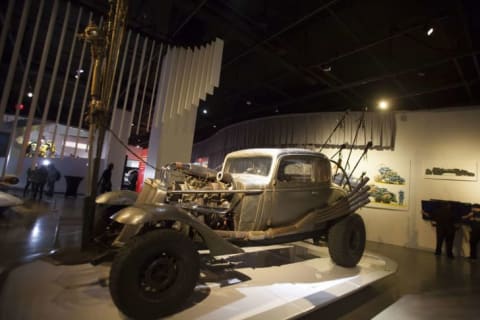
260, 196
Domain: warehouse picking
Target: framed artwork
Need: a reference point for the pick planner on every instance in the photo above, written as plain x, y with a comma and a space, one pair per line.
450, 170
389, 185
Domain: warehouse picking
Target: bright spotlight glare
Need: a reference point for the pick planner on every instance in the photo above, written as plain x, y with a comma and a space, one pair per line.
46, 162
383, 104
205, 111
430, 31
30, 94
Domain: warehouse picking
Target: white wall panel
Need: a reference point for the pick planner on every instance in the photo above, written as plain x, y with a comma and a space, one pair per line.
175, 109
185, 81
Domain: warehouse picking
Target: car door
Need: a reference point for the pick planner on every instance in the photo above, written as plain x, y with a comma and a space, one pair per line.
300, 185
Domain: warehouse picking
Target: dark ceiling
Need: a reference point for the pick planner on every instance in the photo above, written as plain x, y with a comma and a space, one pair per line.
318, 56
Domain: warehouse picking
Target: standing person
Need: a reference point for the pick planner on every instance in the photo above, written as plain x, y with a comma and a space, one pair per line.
105, 182
445, 227
474, 217
30, 173
52, 177
39, 179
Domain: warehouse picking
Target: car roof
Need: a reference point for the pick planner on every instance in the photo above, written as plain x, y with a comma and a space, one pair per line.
273, 152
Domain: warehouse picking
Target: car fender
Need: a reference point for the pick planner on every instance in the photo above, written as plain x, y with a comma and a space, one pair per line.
8, 200
138, 215
117, 198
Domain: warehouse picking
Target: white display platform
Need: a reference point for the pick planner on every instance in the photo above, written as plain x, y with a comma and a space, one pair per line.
270, 282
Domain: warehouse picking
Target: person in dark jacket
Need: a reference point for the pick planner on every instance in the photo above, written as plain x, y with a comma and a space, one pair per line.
30, 173
474, 219
445, 227
39, 179
105, 182
52, 177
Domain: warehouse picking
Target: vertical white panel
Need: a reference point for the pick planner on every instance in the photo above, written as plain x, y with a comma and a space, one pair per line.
145, 85
127, 92
6, 27
67, 74
183, 82
84, 105
154, 91
203, 76
178, 81
39, 80
162, 88
120, 78
137, 85
208, 83
198, 78
169, 82
191, 78
74, 94
16, 53
187, 77
218, 62
54, 74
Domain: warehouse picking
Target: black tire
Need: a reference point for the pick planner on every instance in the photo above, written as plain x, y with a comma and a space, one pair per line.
154, 274
346, 241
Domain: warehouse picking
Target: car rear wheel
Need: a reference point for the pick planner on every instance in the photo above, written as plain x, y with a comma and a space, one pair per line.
154, 274
346, 241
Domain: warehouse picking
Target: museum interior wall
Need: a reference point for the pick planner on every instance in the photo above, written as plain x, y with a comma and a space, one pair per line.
443, 137
420, 139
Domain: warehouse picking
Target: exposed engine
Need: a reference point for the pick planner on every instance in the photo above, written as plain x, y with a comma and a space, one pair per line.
210, 207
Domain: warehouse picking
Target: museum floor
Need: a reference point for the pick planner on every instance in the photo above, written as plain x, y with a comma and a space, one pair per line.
424, 286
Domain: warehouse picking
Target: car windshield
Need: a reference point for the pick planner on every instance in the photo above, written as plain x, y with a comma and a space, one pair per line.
257, 165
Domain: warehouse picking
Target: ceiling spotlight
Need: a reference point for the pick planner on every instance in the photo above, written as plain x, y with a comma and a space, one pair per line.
133, 124
80, 71
204, 111
214, 126
248, 103
76, 76
383, 104
326, 68
430, 31
30, 94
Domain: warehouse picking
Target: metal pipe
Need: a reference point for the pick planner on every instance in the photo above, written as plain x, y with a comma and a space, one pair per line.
352, 145
188, 18
462, 77
376, 42
368, 146
283, 30
342, 120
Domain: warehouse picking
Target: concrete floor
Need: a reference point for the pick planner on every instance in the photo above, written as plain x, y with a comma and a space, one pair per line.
424, 281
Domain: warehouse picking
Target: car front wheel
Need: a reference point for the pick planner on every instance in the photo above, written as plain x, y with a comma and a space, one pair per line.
346, 241
154, 274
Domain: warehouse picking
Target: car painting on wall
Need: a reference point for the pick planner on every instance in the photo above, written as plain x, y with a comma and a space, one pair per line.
450, 170
389, 185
